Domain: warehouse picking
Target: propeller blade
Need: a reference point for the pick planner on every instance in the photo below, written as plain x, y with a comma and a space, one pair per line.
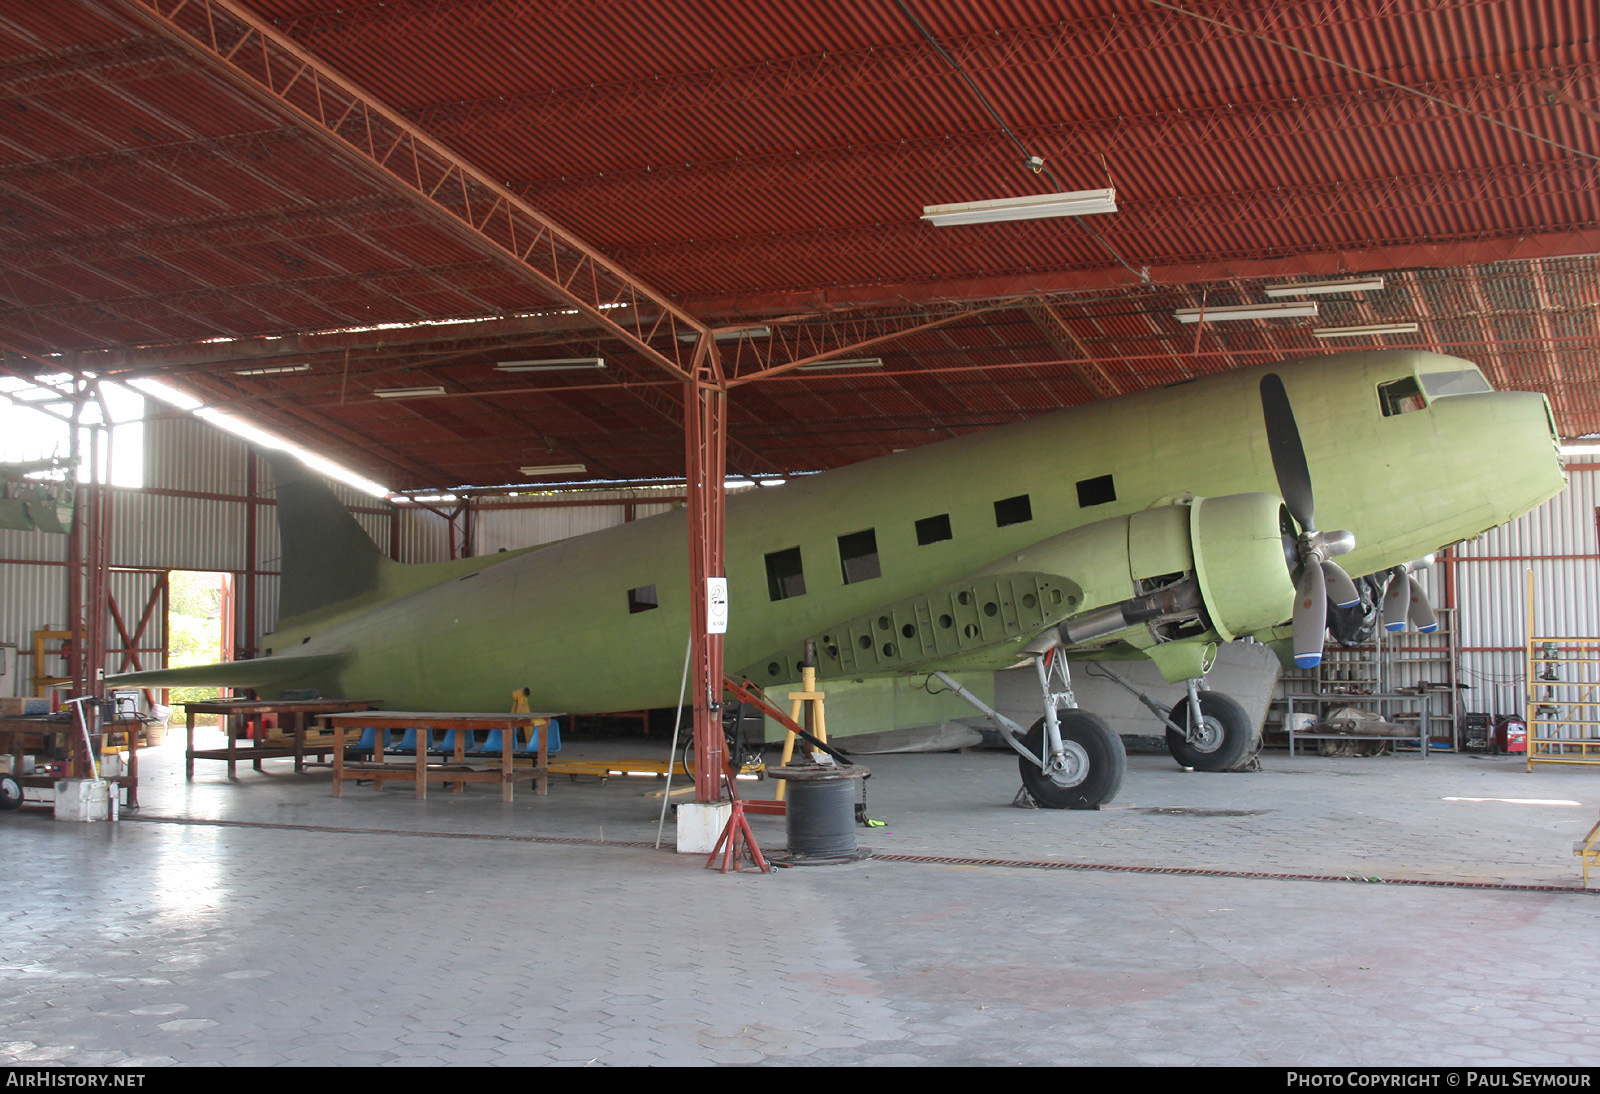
1420, 612
1288, 454
1341, 590
1396, 601
1310, 618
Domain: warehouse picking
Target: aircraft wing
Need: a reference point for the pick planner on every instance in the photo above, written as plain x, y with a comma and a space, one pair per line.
989, 618
261, 674
1166, 583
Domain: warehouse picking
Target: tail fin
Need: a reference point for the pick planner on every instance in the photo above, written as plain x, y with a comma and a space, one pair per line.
327, 557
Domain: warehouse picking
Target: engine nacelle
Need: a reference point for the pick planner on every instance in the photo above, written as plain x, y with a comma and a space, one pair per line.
1216, 562
1240, 562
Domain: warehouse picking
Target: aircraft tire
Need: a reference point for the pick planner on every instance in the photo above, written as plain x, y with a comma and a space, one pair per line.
10, 793
1227, 742
1101, 758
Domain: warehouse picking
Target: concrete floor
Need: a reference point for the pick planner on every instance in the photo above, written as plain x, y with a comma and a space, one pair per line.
1384, 911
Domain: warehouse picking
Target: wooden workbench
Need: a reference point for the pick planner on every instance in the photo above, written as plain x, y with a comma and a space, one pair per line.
458, 769
56, 734
236, 713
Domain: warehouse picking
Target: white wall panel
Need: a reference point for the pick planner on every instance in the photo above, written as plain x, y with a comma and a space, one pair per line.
1558, 541
178, 533
183, 453
424, 536
35, 546
31, 598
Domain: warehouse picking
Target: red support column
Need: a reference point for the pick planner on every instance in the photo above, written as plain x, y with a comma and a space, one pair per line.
705, 441
251, 565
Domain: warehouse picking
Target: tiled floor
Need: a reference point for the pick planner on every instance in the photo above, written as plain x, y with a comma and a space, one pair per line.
266, 922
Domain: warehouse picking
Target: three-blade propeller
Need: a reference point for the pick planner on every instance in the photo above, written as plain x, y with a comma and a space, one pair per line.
1320, 576
1404, 599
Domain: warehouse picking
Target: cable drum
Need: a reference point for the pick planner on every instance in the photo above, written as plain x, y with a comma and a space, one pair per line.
821, 816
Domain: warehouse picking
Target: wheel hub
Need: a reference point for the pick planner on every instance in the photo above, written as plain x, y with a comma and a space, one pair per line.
1071, 767
1207, 736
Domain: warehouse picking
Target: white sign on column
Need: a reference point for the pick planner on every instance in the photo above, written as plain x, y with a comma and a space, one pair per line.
716, 605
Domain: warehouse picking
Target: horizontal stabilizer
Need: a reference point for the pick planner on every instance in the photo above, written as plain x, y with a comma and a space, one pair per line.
261, 674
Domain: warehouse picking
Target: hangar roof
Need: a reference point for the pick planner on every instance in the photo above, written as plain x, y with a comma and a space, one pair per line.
750, 163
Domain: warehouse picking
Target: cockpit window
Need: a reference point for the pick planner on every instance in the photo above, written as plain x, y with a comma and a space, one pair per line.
1461, 382
1400, 396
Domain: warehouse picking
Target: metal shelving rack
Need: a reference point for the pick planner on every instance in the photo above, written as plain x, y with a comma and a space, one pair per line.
1390, 663
1563, 696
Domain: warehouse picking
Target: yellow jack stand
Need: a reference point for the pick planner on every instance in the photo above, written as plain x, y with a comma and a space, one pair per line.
815, 723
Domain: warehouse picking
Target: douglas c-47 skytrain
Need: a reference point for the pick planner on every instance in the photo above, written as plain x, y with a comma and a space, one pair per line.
1154, 525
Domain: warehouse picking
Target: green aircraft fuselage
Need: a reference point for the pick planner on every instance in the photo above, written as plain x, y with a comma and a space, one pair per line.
956, 555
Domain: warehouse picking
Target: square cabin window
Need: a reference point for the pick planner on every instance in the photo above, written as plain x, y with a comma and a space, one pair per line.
933, 529
1096, 491
642, 599
1009, 511
858, 556
785, 577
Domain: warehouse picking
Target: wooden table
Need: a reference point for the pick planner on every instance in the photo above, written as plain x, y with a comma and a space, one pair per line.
235, 712
16, 731
458, 770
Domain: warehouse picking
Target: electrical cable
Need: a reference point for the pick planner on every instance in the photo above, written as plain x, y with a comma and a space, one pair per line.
1324, 59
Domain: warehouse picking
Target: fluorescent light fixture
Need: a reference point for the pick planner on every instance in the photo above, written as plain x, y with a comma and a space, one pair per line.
859, 362
271, 370
554, 469
553, 364
1077, 203
1314, 288
1286, 310
406, 392
1364, 332
729, 335
1581, 446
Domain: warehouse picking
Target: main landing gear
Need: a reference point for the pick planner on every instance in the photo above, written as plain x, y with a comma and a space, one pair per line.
1206, 730
1070, 759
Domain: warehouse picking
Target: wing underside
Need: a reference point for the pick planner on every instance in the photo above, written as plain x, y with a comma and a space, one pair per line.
262, 674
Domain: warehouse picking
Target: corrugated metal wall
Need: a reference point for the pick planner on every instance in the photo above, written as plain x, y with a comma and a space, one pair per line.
1558, 541
514, 523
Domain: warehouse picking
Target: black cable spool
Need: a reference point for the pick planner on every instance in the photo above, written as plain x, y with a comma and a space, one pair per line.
820, 819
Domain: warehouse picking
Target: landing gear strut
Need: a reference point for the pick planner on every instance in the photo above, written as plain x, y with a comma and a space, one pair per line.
1206, 730
1220, 739
1070, 759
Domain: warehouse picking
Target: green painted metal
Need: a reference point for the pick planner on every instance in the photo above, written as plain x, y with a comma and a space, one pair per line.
556, 619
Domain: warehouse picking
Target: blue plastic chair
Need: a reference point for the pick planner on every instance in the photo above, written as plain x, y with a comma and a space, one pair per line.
491, 744
364, 743
532, 747
448, 745
408, 742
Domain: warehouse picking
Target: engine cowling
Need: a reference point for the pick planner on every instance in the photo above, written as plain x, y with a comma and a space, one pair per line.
1239, 560
1220, 562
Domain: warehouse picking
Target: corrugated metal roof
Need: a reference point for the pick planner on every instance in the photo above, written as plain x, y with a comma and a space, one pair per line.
751, 161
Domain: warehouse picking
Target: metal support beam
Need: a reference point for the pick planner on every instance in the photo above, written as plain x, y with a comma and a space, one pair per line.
705, 459
458, 197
